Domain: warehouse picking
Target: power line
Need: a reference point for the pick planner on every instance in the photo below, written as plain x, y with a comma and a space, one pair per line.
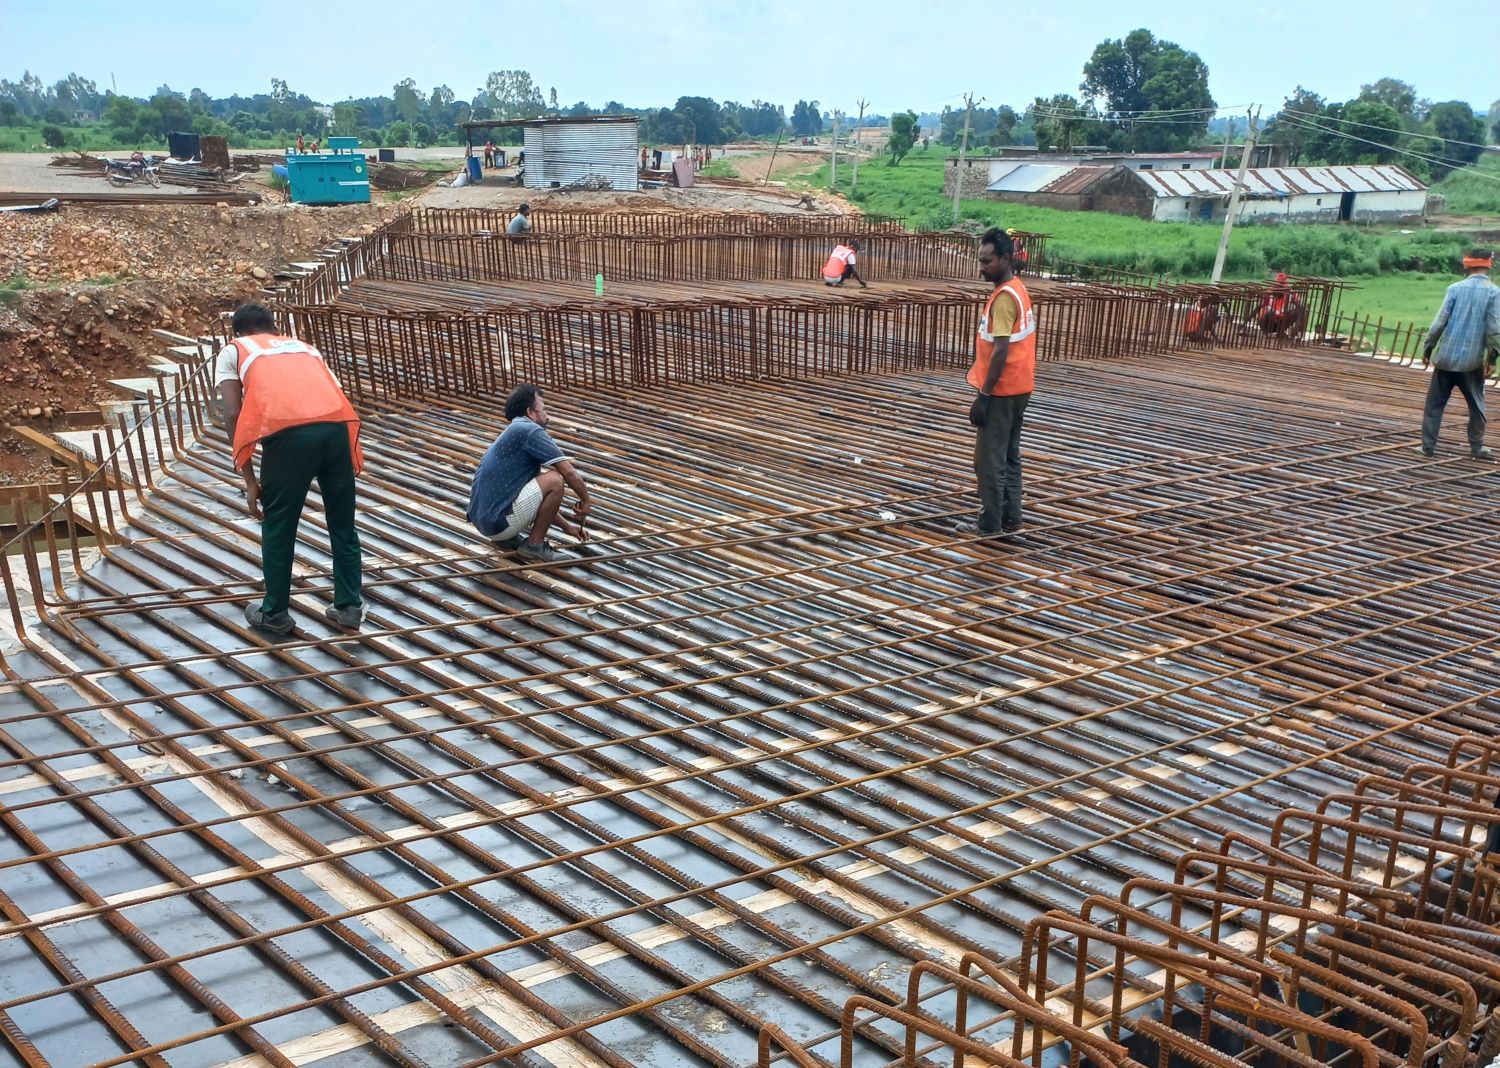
1139, 116
1315, 128
1127, 112
1455, 164
1384, 129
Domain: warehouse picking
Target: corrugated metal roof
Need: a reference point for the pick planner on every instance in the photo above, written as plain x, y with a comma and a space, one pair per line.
1076, 180
1032, 177
1275, 182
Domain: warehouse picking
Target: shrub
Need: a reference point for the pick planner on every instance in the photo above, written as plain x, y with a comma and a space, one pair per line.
54, 135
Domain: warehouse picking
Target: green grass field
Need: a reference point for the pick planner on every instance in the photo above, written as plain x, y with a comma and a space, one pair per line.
1474, 190
1401, 273
97, 138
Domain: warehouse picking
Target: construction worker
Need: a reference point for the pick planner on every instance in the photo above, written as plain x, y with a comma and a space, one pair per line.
1003, 374
518, 489
520, 223
840, 265
1021, 258
1274, 304
1201, 319
278, 393
1467, 325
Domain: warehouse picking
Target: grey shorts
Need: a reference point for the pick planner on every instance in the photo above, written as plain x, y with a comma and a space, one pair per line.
522, 512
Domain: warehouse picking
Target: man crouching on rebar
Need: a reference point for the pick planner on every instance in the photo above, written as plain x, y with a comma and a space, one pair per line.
1004, 373
518, 489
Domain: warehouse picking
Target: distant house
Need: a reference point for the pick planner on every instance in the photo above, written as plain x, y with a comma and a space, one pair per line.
1195, 194
1285, 194
1065, 187
982, 172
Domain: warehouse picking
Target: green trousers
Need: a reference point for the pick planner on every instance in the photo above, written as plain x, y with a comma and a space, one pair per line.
997, 463
290, 461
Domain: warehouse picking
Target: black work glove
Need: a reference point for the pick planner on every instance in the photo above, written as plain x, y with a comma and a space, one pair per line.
979, 411
1494, 358
1426, 356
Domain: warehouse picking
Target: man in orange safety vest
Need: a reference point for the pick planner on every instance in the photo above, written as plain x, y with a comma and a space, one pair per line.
280, 395
840, 265
1003, 374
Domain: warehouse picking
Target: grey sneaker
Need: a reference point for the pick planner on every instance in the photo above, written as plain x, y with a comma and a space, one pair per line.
1484, 452
971, 528
280, 623
544, 553
509, 544
348, 616
1429, 453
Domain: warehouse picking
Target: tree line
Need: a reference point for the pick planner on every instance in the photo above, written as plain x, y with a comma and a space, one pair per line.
1386, 123
408, 116
1138, 93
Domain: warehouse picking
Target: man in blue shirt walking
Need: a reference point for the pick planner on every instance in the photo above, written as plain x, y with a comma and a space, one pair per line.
1467, 325
518, 489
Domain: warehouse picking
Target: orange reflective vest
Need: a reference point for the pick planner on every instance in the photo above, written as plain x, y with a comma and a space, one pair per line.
842, 256
287, 384
1019, 373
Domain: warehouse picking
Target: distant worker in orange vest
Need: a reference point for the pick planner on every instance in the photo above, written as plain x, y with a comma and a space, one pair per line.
1004, 374
279, 394
1201, 320
301, 144
1021, 257
840, 266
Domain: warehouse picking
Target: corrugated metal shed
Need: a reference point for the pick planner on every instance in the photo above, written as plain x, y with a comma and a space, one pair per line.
564, 151
1277, 182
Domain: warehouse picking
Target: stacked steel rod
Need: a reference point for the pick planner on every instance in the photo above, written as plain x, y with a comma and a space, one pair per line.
784, 743
1316, 943
650, 223
706, 257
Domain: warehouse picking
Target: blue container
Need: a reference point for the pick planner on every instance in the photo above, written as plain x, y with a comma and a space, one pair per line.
476, 172
280, 171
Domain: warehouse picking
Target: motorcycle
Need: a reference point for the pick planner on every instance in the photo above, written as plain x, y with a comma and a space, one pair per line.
128, 172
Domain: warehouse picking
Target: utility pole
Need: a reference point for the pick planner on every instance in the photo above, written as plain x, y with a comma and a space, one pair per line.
833, 163
858, 126
1228, 136
1234, 198
958, 175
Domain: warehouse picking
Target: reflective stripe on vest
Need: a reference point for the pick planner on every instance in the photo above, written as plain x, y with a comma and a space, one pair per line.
1019, 373
290, 386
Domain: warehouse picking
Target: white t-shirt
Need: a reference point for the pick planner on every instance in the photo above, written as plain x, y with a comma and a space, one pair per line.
227, 365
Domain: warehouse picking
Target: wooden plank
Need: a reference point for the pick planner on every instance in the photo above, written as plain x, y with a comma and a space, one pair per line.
64, 455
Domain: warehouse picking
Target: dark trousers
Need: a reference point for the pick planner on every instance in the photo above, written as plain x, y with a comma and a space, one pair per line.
290, 461
1471, 385
997, 462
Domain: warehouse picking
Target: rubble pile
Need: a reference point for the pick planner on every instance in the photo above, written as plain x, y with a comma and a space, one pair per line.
85, 287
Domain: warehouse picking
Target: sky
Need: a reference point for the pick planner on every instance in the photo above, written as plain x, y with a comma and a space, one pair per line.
897, 54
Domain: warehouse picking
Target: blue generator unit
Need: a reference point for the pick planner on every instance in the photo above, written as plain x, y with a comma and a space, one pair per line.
338, 176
